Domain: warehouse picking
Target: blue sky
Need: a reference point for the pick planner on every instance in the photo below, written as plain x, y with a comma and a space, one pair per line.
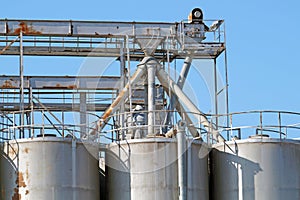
262, 40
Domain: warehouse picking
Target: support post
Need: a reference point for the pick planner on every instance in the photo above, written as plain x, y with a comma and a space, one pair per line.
21, 87
122, 118
216, 94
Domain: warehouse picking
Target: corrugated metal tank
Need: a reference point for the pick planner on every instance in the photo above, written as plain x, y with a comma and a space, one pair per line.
147, 169
262, 169
48, 168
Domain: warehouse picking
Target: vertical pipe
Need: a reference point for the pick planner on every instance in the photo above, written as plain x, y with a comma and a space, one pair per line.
21, 87
181, 148
82, 110
151, 67
190, 160
63, 119
43, 123
74, 170
146, 100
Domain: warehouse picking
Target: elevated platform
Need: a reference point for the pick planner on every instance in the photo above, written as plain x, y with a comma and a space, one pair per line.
112, 39
62, 93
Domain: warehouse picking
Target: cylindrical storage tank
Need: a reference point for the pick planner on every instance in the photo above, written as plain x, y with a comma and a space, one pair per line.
147, 169
256, 168
48, 168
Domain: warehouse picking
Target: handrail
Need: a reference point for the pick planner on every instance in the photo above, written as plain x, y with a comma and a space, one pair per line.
75, 130
279, 124
272, 121
263, 123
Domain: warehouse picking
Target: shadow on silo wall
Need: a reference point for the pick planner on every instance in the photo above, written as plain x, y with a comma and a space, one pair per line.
256, 169
102, 184
232, 177
117, 178
8, 176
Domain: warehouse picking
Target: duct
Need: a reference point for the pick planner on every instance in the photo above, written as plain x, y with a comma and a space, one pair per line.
180, 83
166, 81
120, 98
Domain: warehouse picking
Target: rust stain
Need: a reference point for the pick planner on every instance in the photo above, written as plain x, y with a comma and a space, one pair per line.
16, 196
27, 172
24, 28
72, 87
26, 150
20, 180
7, 84
106, 114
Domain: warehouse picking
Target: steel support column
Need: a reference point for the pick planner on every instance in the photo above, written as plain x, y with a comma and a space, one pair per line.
21, 87
216, 93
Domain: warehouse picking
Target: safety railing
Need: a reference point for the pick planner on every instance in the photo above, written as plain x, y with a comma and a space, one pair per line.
133, 125
44, 124
233, 126
265, 123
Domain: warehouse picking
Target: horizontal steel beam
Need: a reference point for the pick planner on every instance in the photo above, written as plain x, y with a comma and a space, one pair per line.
203, 51
54, 107
104, 39
96, 28
62, 82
